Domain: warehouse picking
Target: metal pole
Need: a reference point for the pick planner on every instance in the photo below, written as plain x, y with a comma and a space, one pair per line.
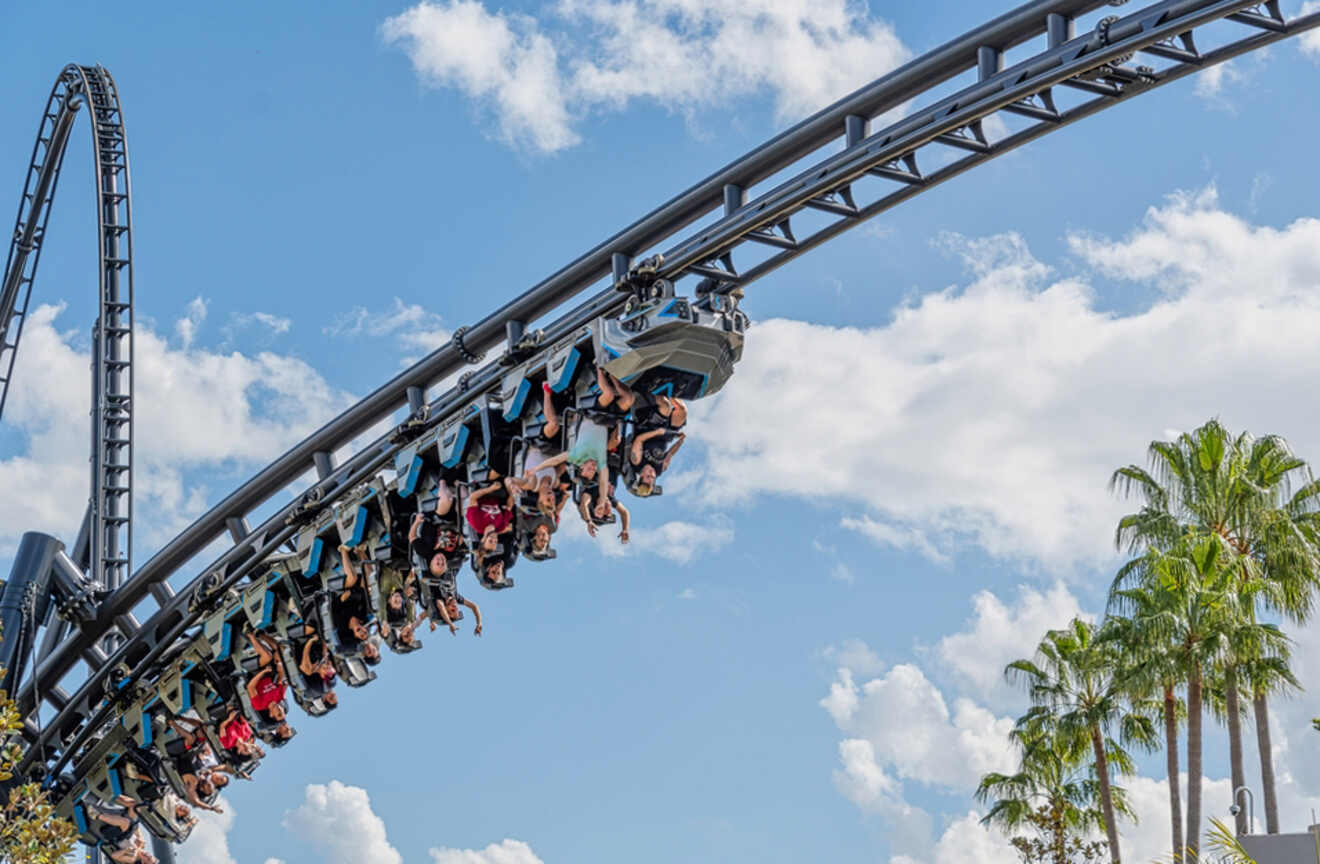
24, 604
162, 849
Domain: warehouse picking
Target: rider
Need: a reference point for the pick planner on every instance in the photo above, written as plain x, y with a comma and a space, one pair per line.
267, 687
490, 514
446, 597
350, 611
649, 457
317, 666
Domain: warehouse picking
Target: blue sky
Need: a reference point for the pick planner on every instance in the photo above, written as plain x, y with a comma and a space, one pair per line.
901, 488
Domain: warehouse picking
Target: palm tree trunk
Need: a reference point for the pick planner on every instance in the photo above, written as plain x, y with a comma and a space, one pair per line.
1171, 760
1106, 797
1233, 706
1193, 844
1262, 711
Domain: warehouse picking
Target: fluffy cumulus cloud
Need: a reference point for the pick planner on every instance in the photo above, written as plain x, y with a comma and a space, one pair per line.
539, 75
209, 841
677, 541
998, 633
504, 852
337, 821
196, 409
995, 412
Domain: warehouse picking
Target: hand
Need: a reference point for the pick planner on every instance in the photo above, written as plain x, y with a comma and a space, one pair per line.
384, 630
345, 548
477, 631
432, 626
591, 528
623, 537
453, 630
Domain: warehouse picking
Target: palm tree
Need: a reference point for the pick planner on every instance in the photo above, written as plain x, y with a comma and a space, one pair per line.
1242, 490
1152, 672
1050, 792
1075, 690
1184, 600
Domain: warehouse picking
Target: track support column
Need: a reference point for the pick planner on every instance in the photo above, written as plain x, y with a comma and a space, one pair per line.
24, 603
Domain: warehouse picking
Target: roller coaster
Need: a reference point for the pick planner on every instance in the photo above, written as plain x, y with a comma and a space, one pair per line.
573, 404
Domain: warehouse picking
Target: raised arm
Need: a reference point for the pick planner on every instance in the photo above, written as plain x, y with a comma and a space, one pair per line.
549, 463
478, 494
625, 519
583, 509
476, 611
672, 450
635, 453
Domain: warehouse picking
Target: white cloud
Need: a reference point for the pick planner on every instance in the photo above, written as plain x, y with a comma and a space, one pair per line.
337, 821
914, 734
677, 541
186, 327
505, 852
194, 409
209, 841
997, 634
277, 324
1211, 81
855, 656
896, 537
967, 841
540, 76
1310, 40
996, 412
409, 325
687, 594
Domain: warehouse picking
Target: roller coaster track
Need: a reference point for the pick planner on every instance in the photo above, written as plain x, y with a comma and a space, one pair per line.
838, 170
107, 534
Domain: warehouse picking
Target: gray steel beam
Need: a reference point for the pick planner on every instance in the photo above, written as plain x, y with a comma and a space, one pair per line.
24, 605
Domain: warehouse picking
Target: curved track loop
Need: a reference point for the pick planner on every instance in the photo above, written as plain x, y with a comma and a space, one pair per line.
106, 539
1071, 76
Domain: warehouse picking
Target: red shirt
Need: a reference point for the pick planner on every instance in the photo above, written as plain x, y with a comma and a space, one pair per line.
268, 693
239, 730
483, 516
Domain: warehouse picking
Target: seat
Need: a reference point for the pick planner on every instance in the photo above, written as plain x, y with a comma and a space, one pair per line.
670, 345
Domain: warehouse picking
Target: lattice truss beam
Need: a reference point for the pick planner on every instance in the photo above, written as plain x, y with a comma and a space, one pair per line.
809, 184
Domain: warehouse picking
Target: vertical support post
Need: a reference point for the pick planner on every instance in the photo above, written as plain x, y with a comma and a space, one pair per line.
620, 264
989, 61
238, 528
324, 462
1060, 28
513, 332
29, 578
416, 400
162, 849
856, 128
735, 196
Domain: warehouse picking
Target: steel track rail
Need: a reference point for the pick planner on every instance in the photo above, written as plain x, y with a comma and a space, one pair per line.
108, 528
1150, 30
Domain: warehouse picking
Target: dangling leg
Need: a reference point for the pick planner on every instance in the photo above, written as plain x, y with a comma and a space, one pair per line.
551, 428
607, 392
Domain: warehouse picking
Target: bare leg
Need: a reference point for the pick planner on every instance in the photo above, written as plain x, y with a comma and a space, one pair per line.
445, 502
263, 655
625, 396
607, 394
350, 572
551, 415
